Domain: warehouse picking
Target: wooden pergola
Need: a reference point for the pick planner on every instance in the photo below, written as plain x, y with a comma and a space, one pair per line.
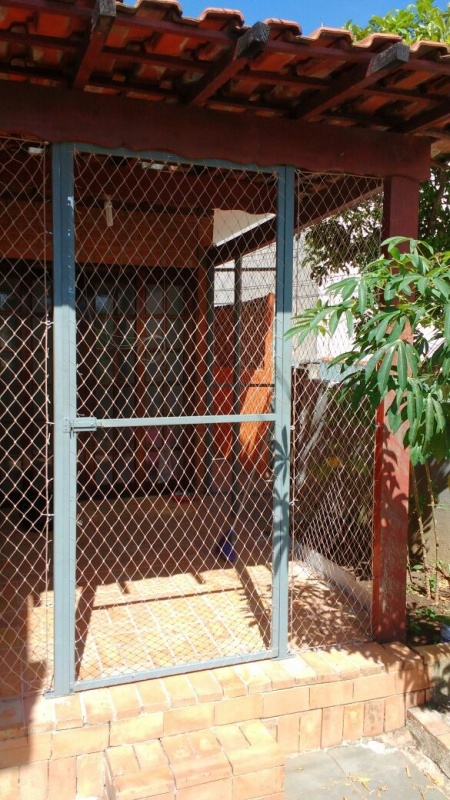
147, 79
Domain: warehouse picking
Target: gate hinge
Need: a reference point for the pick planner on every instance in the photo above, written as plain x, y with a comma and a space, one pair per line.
80, 424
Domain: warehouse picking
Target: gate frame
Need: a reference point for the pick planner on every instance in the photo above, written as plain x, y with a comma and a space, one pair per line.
67, 424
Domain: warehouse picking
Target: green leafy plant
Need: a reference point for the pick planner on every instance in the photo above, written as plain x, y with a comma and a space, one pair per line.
397, 311
420, 20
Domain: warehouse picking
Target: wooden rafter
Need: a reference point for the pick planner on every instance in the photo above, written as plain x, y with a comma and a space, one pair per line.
134, 186
355, 80
250, 45
439, 115
324, 204
281, 79
156, 60
103, 17
36, 40
49, 7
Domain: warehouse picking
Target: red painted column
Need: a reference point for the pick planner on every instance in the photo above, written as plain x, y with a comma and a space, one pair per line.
391, 491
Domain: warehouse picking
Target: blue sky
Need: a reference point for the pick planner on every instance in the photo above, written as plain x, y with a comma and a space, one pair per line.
310, 14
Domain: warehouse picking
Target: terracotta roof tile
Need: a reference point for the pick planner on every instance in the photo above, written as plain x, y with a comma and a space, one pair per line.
152, 51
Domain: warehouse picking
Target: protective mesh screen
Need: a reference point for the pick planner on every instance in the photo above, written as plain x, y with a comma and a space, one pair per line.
174, 520
332, 446
26, 601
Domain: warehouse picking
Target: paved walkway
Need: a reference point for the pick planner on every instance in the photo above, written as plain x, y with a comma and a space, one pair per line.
370, 769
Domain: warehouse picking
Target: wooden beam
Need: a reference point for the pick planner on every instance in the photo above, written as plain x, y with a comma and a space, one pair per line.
439, 115
332, 200
397, 93
52, 76
335, 199
250, 45
391, 484
156, 59
389, 60
280, 79
52, 7
354, 81
61, 115
36, 40
257, 237
103, 17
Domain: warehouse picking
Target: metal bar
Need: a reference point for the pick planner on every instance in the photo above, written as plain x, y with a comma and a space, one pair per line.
80, 147
237, 348
140, 422
283, 311
65, 448
247, 269
117, 680
209, 376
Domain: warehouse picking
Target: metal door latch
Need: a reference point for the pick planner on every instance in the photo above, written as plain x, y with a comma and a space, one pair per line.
80, 424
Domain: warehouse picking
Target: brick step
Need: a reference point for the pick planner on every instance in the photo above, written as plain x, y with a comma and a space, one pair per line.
315, 700
431, 729
230, 762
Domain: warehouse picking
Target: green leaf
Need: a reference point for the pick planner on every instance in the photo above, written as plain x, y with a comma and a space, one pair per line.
442, 286
382, 327
439, 416
413, 359
350, 322
411, 407
362, 296
334, 321
402, 366
447, 323
390, 292
429, 418
413, 431
385, 370
349, 288
394, 419
422, 285
371, 364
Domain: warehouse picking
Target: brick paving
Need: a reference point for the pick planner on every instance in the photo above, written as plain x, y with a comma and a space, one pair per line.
221, 618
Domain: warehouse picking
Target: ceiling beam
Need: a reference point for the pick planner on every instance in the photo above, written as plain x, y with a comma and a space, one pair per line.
49, 7
245, 243
335, 199
156, 59
132, 185
288, 80
61, 115
408, 95
103, 18
36, 40
51, 76
248, 47
355, 80
439, 115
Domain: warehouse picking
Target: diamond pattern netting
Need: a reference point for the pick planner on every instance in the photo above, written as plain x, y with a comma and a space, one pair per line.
174, 520
332, 446
26, 599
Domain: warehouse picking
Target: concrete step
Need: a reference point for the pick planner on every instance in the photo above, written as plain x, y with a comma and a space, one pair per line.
431, 729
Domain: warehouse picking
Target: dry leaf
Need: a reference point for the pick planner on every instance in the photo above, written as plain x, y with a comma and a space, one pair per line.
364, 781
436, 781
